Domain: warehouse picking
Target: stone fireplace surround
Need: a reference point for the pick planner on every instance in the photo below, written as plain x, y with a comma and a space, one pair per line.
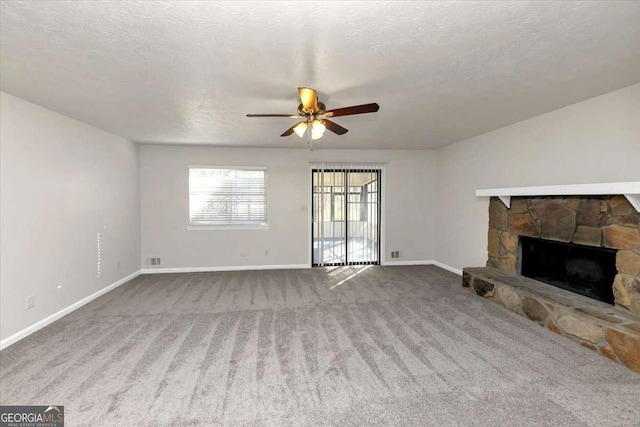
605, 221
599, 221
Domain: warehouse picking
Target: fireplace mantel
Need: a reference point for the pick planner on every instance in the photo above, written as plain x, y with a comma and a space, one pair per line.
631, 190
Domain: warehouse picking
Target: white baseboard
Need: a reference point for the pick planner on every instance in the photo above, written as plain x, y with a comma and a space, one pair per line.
281, 267
229, 268
398, 263
426, 262
55, 316
448, 268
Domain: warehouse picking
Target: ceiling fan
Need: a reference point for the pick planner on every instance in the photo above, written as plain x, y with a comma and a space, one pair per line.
315, 116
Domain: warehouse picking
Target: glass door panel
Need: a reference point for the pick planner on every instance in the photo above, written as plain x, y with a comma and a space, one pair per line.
363, 241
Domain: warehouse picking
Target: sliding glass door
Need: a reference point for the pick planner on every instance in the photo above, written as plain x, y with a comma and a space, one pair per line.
346, 216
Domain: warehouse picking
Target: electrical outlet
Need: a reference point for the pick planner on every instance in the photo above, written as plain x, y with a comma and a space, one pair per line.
395, 254
31, 301
266, 251
117, 265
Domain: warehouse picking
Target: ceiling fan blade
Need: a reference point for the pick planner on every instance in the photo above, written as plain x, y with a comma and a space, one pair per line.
274, 115
334, 127
357, 109
309, 99
290, 130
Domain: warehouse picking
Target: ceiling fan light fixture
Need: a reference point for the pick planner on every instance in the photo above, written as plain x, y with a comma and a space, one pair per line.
317, 129
300, 129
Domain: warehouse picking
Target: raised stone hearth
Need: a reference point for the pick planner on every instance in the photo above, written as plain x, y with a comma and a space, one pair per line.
599, 221
611, 331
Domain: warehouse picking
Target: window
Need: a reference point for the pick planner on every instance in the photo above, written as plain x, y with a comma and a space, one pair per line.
332, 203
227, 196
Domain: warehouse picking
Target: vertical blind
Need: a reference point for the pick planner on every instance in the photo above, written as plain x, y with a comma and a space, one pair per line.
346, 213
227, 196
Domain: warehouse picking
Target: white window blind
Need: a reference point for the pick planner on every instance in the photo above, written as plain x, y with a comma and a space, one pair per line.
227, 196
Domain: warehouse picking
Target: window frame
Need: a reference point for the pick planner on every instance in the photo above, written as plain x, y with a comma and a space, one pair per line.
195, 227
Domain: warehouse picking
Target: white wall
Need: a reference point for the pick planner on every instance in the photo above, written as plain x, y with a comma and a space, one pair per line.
409, 214
597, 140
62, 181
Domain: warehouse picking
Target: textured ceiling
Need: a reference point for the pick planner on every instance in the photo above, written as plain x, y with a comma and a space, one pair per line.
188, 72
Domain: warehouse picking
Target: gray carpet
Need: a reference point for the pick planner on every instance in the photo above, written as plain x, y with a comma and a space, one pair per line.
343, 346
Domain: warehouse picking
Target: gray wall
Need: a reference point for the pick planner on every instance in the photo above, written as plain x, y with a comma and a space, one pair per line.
62, 182
409, 215
594, 141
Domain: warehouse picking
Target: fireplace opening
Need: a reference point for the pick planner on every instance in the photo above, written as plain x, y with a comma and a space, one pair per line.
581, 269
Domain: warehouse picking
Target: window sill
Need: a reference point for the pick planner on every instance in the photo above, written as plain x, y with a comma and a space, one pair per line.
226, 227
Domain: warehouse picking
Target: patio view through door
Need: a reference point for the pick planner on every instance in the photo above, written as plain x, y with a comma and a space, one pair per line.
346, 216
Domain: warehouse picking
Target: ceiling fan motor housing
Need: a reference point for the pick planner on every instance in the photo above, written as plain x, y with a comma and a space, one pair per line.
321, 110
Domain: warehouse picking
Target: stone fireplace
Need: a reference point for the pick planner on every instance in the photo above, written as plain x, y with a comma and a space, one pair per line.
602, 222
569, 263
